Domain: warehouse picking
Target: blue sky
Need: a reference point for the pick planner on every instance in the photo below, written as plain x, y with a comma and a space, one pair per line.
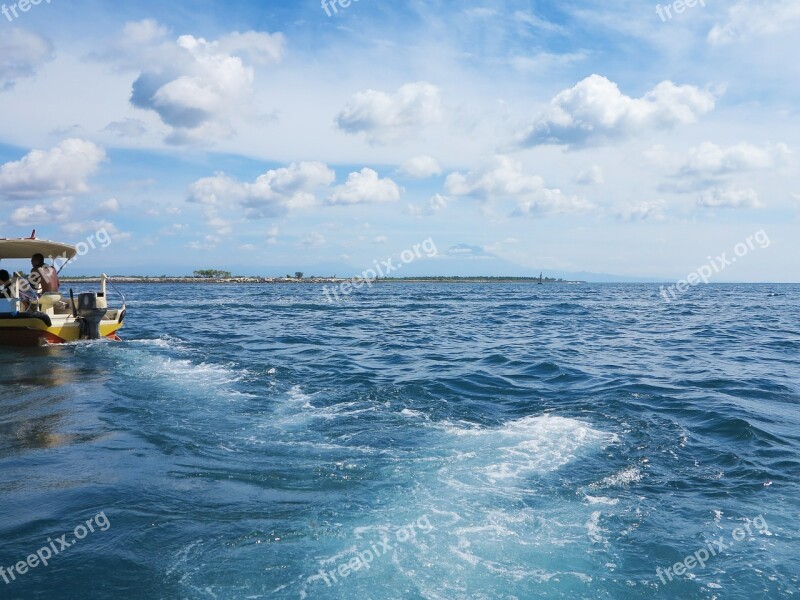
262, 137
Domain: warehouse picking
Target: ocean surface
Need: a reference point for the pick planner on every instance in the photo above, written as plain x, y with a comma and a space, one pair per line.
430, 441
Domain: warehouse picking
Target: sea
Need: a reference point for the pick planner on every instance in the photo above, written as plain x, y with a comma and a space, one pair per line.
413, 441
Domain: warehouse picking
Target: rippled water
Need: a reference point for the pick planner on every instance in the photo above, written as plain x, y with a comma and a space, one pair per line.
465, 441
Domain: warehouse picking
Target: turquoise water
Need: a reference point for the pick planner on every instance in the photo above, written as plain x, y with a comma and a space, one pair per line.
414, 441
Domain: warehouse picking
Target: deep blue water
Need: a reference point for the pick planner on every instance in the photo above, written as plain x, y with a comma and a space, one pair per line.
466, 441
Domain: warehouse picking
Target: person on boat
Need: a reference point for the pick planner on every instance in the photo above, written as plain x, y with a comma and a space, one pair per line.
43, 277
6, 285
27, 295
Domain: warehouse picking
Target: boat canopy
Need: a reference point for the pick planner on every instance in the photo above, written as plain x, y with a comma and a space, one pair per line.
26, 248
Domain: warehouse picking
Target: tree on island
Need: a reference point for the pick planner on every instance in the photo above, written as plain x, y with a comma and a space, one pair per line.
212, 274
298, 275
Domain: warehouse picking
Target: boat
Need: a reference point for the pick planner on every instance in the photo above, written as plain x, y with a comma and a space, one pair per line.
55, 318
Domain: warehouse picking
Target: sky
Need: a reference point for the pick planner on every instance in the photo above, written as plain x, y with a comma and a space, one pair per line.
628, 138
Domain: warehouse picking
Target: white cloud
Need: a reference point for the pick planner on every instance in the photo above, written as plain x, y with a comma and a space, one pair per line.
551, 202
62, 170
641, 210
221, 227
380, 239
595, 111
435, 204
91, 227
545, 60
421, 167
272, 194
260, 47
591, 176
39, 214
384, 117
109, 206
21, 54
708, 159
729, 198
127, 128
749, 19
506, 179
209, 243
537, 22
314, 240
194, 85
364, 187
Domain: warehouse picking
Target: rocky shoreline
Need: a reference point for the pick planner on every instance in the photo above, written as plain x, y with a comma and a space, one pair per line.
311, 280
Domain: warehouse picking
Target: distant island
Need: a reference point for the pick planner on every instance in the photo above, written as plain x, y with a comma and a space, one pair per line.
227, 278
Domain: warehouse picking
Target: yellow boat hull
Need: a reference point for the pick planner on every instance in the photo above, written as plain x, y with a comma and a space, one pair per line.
35, 332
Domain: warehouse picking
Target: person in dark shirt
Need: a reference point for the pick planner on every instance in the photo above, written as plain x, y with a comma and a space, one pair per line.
26, 293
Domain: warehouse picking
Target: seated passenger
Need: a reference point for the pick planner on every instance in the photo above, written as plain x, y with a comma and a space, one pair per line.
26, 293
6, 285
43, 277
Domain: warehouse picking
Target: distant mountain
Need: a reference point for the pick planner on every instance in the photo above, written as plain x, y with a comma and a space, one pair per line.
460, 260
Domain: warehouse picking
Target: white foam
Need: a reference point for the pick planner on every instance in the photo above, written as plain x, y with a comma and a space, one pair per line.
622, 478
537, 444
602, 500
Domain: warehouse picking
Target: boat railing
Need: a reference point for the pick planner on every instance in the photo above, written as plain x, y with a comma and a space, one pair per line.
106, 280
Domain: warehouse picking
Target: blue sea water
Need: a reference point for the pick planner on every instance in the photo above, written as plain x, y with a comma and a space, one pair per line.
428, 441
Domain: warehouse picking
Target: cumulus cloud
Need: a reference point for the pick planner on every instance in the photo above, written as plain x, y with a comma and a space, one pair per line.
88, 227
551, 202
749, 19
729, 198
209, 242
109, 206
421, 167
641, 210
506, 179
194, 85
435, 204
272, 194
21, 54
595, 111
365, 187
708, 159
127, 128
62, 170
314, 240
591, 176
260, 47
383, 117
710, 166
39, 214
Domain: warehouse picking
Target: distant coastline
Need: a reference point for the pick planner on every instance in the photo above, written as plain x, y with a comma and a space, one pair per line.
315, 280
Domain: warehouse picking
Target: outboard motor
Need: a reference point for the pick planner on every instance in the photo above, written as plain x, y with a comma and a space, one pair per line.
91, 311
